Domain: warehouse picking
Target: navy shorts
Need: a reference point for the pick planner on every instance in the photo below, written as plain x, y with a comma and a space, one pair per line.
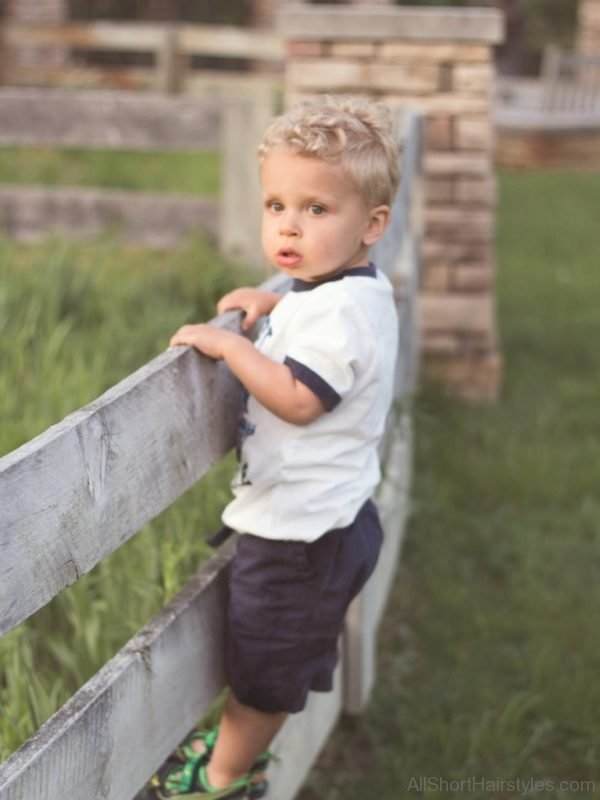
287, 604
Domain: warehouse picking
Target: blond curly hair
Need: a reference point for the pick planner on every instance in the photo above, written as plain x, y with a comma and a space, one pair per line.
360, 134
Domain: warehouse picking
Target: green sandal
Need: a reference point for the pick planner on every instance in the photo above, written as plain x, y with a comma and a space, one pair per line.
179, 773
186, 752
189, 782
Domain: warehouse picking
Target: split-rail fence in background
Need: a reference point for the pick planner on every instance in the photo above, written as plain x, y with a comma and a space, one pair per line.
71, 496
163, 56
62, 101
230, 124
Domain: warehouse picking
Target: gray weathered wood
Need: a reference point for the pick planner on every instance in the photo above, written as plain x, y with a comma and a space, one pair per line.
216, 40
118, 728
206, 40
72, 495
244, 121
300, 741
304, 22
170, 47
398, 255
366, 611
398, 252
128, 120
149, 219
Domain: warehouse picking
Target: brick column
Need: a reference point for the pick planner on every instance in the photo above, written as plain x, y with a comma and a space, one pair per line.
36, 12
438, 60
588, 33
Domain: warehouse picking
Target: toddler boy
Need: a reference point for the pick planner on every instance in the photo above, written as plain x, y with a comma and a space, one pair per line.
318, 386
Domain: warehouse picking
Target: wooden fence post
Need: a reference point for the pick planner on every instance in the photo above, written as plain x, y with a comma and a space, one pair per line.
243, 121
168, 62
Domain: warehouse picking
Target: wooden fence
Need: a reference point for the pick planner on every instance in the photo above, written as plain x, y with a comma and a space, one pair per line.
138, 121
169, 48
75, 493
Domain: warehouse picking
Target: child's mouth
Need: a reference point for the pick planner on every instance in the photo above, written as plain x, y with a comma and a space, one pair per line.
288, 258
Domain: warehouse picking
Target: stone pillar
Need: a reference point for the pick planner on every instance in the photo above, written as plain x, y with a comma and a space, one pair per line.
438, 60
36, 12
588, 33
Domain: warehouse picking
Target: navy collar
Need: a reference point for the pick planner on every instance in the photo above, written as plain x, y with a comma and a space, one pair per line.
370, 271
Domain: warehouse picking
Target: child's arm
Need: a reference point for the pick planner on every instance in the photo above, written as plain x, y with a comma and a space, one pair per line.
254, 302
271, 383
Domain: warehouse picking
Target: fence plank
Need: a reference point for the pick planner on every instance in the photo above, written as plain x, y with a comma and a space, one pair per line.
399, 255
232, 42
301, 739
107, 740
366, 611
126, 120
75, 493
223, 41
131, 37
150, 219
244, 120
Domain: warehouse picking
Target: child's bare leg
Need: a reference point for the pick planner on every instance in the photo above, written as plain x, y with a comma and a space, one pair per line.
244, 733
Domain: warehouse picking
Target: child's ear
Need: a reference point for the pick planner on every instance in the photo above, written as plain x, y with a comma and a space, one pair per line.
379, 219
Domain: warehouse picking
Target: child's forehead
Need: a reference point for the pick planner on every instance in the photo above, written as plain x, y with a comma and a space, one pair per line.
285, 166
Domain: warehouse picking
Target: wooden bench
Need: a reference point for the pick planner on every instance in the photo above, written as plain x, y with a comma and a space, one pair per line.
570, 82
72, 495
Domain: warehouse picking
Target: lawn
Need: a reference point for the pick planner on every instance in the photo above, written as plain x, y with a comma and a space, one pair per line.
489, 650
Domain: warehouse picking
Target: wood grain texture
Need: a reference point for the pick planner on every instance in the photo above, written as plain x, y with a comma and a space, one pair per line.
76, 492
72, 495
101, 119
366, 611
149, 219
118, 728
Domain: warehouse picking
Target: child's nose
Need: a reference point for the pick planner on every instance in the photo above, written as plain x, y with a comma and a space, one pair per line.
289, 224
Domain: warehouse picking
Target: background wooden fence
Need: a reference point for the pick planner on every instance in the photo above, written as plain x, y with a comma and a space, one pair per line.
138, 121
169, 50
71, 496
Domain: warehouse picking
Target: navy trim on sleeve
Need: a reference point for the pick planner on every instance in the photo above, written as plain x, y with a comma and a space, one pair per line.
326, 394
370, 271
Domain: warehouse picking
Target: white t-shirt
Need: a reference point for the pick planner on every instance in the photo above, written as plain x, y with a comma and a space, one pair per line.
340, 338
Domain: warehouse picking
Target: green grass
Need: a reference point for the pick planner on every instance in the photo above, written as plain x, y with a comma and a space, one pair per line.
188, 173
489, 652
74, 320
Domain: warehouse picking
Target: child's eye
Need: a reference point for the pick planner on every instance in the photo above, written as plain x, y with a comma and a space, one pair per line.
316, 209
275, 206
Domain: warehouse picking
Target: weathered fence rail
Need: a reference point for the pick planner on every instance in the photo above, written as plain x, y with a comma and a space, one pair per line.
137, 121
171, 48
72, 495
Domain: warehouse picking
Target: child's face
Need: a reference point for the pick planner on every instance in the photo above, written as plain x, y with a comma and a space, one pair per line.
314, 222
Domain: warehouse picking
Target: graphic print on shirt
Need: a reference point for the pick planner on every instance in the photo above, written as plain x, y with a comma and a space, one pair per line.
246, 427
